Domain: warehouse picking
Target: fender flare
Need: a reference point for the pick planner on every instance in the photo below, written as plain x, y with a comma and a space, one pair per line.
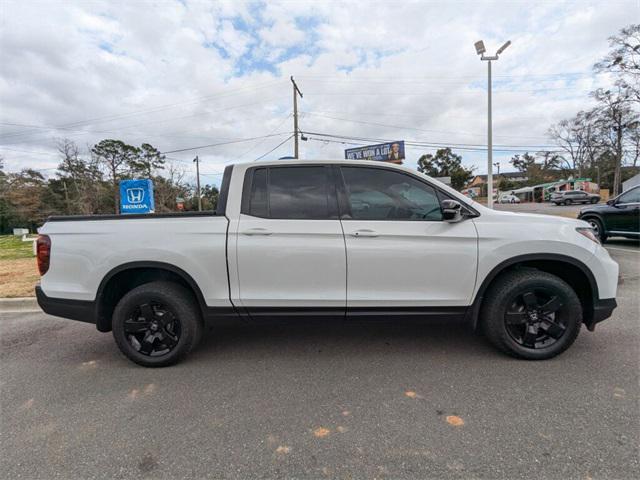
473, 313
101, 321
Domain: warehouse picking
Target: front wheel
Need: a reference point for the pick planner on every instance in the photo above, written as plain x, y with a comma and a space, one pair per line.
531, 314
594, 200
156, 324
598, 229
567, 202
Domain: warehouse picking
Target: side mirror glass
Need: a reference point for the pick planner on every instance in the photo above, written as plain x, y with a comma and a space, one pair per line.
451, 210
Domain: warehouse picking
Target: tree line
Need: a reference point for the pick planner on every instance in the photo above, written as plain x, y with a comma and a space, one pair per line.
596, 142
87, 183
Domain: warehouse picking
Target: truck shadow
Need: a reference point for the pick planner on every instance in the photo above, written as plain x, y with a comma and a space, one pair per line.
343, 339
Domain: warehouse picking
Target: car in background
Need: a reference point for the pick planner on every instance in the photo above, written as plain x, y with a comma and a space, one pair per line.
619, 217
508, 198
573, 196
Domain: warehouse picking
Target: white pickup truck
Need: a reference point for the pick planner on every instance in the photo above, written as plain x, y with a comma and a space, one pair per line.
331, 239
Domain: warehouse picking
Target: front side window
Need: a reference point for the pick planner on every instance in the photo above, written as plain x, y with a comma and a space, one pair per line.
632, 196
381, 194
290, 193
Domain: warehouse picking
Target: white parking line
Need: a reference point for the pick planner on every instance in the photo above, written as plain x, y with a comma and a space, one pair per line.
622, 249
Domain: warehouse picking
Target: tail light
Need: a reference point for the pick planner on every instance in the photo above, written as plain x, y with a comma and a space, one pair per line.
43, 250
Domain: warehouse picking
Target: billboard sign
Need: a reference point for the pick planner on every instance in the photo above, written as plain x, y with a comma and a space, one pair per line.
136, 196
383, 152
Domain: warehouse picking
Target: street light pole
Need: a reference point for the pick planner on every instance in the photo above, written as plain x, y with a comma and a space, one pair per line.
480, 50
489, 141
197, 162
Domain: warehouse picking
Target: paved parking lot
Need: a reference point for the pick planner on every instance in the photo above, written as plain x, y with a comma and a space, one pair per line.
372, 401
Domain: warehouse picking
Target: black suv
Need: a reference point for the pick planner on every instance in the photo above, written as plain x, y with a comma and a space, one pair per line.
574, 196
619, 217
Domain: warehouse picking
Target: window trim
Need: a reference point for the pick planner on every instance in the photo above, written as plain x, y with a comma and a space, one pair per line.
333, 212
345, 208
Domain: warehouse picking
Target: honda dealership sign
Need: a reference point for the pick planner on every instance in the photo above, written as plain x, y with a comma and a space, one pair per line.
136, 196
385, 152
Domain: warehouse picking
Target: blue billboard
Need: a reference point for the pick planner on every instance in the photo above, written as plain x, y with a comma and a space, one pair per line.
383, 152
136, 196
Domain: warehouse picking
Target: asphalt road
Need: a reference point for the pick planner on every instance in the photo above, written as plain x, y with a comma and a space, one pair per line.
376, 401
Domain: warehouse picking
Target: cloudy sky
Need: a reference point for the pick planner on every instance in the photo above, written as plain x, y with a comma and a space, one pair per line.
183, 74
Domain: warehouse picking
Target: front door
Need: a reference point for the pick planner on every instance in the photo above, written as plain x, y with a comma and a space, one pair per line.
624, 217
401, 255
290, 246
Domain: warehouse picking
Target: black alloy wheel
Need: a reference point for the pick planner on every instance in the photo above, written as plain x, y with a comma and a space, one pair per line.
531, 314
157, 324
534, 319
152, 329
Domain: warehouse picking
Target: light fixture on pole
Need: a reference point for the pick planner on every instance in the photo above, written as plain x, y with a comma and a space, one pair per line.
480, 50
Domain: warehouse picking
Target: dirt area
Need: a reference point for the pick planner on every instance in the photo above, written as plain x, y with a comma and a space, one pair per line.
18, 277
18, 270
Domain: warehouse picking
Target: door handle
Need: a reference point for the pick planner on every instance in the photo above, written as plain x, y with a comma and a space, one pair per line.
364, 233
256, 231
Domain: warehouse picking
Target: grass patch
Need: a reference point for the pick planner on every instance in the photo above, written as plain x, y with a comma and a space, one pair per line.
13, 248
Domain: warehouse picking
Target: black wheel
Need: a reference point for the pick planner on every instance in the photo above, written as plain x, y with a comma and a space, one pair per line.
594, 200
567, 202
156, 324
531, 314
598, 229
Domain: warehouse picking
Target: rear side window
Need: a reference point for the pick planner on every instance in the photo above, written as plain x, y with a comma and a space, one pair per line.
380, 194
291, 193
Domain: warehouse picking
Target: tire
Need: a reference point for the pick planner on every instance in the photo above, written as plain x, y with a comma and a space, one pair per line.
567, 202
594, 200
598, 227
142, 332
541, 336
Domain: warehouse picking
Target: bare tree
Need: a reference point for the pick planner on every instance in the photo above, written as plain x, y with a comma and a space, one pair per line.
624, 59
615, 120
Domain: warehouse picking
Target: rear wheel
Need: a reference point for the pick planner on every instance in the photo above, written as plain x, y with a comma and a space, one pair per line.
156, 324
594, 200
531, 314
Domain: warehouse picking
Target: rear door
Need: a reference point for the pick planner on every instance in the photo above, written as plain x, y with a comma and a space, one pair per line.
290, 246
401, 255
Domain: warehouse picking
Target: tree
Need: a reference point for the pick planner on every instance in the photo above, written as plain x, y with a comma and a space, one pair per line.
25, 194
623, 59
149, 160
445, 163
80, 180
522, 164
116, 156
616, 121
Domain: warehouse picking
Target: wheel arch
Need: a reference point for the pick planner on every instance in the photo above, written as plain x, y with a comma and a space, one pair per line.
569, 269
125, 277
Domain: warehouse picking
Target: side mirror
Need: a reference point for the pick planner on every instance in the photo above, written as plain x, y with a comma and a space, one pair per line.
451, 210
611, 202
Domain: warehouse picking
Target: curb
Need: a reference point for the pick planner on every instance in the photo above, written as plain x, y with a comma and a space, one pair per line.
22, 304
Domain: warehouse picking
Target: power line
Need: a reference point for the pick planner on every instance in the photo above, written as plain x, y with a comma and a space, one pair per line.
158, 108
275, 148
418, 143
240, 140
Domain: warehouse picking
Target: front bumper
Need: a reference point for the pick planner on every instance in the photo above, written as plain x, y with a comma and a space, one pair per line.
602, 309
81, 310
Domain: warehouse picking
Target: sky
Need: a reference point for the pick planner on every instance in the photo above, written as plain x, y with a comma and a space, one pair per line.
215, 75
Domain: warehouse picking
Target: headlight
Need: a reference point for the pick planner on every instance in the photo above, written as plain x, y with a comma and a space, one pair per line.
589, 233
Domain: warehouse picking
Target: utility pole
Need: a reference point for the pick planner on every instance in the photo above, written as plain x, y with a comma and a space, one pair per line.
197, 162
296, 92
480, 50
497, 165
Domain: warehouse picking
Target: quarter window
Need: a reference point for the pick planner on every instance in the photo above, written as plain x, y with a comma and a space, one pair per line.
380, 194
